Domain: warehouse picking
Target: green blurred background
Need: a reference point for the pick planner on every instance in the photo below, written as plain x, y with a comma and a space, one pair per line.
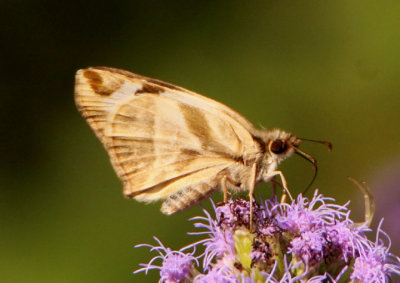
320, 69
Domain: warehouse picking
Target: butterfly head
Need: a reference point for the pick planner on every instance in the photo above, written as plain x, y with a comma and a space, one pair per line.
281, 145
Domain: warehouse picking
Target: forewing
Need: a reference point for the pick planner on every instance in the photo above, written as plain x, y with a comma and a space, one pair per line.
159, 137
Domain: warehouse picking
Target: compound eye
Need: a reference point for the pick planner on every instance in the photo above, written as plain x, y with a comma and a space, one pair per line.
278, 146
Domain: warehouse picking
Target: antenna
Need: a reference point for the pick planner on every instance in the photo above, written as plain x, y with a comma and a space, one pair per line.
326, 143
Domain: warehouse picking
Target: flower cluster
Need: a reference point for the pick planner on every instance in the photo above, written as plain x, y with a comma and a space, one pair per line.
305, 241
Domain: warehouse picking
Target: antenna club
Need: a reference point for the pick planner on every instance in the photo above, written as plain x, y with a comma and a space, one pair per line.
329, 145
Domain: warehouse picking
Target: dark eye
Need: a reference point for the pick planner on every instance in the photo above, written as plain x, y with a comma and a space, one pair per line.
278, 146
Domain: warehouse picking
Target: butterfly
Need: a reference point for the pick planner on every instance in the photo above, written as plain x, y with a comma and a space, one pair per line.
171, 144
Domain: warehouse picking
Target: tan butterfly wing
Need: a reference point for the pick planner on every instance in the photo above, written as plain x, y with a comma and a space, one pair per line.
163, 140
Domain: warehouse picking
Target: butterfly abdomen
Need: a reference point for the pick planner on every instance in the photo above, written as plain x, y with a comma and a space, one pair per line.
186, 198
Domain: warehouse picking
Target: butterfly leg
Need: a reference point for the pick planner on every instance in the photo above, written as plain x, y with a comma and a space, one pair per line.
284, 183
224, 181
252, 183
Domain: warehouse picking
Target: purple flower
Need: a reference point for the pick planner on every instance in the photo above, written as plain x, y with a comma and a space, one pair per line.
345, 239
235, 213
375, 263
267, 224
219, 242
305, 241
305, 215
308, 246
176, 265
222, 274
